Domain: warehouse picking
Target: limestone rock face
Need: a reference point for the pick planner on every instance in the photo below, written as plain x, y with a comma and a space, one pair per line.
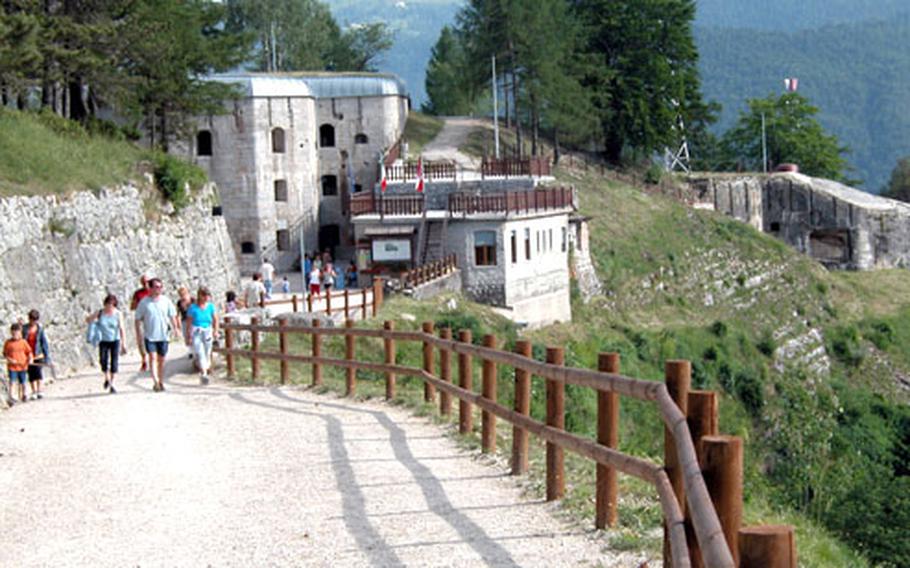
63, 255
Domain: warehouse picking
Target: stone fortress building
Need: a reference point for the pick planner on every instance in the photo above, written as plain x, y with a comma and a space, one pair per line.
290, 151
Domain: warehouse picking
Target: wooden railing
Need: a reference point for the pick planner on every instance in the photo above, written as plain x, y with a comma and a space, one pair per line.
367, 202
680, 483
430, 272
512, 167
431, 171
543, 199
348, 301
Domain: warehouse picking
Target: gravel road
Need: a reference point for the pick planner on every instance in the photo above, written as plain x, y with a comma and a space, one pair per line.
256, 476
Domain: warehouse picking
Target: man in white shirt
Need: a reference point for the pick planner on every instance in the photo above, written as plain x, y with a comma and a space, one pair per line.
156, 320
254, 292
268, 274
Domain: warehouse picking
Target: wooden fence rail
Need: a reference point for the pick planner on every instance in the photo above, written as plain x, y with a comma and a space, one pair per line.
349, 301
680, 485
430, 272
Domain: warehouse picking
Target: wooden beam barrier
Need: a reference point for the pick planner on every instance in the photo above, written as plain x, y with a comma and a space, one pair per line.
254, 347
701, 418
607, 488
350, 382
390, 360
295, 303
429, 365
347, 304
283, 348
523, 407
678, 377
722, 468
377, 295
445, 372
328, 302
465, 380
488, 388
309, 302
556, 418
229, 346
769, 546
363, 304
317, 352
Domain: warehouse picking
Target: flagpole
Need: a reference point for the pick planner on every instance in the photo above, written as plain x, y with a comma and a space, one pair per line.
495, 111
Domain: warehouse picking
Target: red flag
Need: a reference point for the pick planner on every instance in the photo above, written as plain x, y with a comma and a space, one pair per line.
383, 183
419, 185
791, 84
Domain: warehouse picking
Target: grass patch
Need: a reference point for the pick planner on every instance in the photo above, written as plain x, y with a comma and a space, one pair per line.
419, 130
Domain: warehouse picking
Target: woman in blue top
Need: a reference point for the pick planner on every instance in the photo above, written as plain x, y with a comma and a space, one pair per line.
204, 322
113, 344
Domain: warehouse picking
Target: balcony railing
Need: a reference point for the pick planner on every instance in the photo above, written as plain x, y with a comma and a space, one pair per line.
431, 171
366, 203
512, 201
512, 167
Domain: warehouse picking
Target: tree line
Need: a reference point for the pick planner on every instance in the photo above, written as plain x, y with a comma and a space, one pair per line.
148, 59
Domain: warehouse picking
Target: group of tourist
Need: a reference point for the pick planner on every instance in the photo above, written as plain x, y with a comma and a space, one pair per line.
26, 353
321, 275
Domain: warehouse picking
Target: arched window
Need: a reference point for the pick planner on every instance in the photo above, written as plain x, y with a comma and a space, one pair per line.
329, 185
327, 136
204, 143
361, 139
281, 190
278, 140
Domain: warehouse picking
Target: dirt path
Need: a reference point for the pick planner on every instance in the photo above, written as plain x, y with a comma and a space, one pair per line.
231, 476
454, 134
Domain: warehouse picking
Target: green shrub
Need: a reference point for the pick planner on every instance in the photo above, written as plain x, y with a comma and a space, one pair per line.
654, 174
846, 345
177, 178
750, 392
881, 334
766, 345
719, 328
457, 321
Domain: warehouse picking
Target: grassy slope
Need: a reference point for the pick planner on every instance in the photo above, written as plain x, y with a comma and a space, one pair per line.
420, 129
36, 158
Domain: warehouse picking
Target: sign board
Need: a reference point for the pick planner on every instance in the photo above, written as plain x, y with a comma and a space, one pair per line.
392, 250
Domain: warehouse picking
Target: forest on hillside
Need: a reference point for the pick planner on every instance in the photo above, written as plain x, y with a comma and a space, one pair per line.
787, 15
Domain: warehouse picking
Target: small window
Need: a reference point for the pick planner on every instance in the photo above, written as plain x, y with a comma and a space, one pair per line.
358, 188
329, 185
775, 227
361, 139
485, 248
281, 190
565, 238
514, 246
327, 136
204, 143
247, 247
283, 238
527, 244
278, 140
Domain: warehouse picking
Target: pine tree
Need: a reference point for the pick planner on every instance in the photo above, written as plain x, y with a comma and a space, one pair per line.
445, 71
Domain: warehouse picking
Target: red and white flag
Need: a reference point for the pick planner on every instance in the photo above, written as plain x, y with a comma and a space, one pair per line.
383, 184
419, 185
791, 84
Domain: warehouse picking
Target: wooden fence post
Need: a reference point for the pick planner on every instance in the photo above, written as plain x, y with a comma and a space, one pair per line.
465, 380
607, 491
488, 419
363, 304
294, 303
769, 546
678, 375
556, 417
445, 372
522, 406
283, 348
701, 417
228, 346
317, 352
309, 302
350, 383
328, 302
389, 360
722, 467
377, 295
254, 340
347, 304
429, 391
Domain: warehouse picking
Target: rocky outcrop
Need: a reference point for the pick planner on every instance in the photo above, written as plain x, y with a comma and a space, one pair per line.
63, 255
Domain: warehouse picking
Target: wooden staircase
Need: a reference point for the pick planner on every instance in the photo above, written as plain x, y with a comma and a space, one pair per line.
433, 246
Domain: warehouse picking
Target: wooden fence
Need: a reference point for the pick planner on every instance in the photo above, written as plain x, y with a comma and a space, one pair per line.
348, 301
367, 202
543, 199
431, 171
515, 167
694, 453
429, 272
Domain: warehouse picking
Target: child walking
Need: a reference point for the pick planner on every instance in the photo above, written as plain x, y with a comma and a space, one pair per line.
18, 357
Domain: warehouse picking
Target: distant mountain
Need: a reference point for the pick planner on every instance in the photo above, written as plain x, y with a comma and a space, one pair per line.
791, 15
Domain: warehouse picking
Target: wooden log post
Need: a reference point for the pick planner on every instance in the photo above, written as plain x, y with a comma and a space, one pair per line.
363, 304
309, 302
769, 546
377, 295
254, 341
556, 418
607, 489
350, 382
678, 376
465, 381
702, 420
283, 348
347, 304
445, 372
317, 352
328, 302
722, 468
522, 406
429, 365
488, 419
390, 360
228, 346
295, 304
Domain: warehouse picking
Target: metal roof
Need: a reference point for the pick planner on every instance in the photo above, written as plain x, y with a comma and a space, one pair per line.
314, 84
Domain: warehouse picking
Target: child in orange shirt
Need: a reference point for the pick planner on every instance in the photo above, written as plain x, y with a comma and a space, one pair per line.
18, 357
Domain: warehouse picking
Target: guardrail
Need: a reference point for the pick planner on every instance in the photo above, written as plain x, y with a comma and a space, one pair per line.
347, 301
680, 483
512, 167
543, 199
431, 171
364, 203
430, 272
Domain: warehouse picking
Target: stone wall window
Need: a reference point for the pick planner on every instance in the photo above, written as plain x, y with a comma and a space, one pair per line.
485, 248
278, 140
281, 190
204, 143
361, 138
327, 136
527, 244
247, 247
283, 240
514, 246
329, 185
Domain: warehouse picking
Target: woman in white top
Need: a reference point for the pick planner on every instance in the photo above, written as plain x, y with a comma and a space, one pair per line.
315, 279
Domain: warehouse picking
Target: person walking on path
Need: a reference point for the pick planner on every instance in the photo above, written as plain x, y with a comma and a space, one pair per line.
41, 355
315, 279
113, 340
154, 316
204, 321
18, 357
328, 277
184, 301
268, 274
254, 292
138, 296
